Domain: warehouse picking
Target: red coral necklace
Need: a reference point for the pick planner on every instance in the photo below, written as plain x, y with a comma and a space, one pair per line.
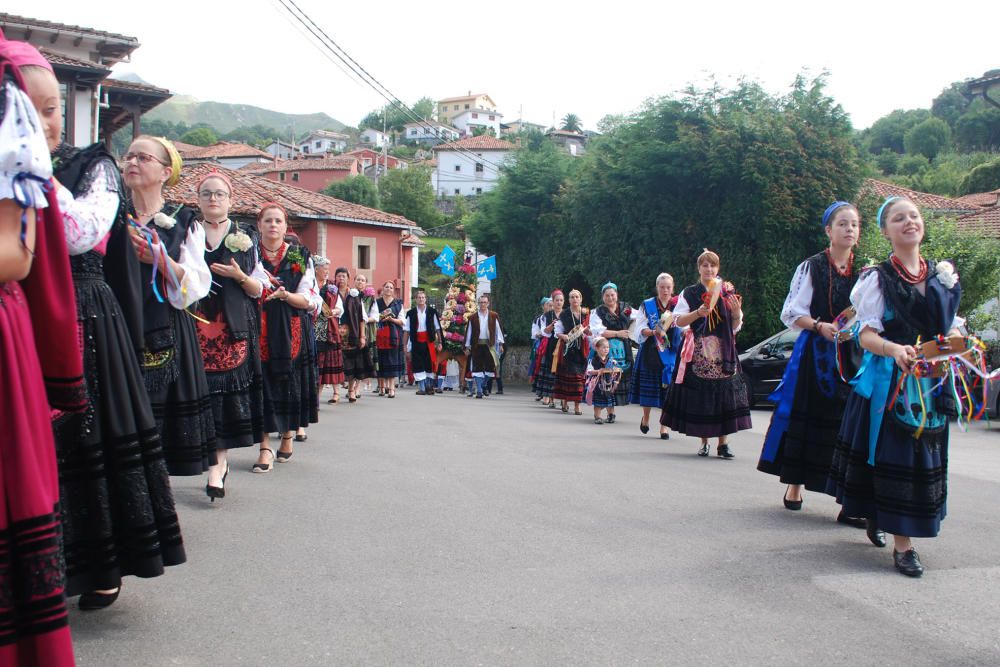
905, 274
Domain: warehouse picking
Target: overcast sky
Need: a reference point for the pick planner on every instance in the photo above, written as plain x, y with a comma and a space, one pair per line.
542, 59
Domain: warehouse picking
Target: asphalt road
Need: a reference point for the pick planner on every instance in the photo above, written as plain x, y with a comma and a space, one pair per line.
454, 531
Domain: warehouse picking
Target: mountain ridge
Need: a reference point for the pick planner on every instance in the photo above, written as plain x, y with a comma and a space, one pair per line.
224, 117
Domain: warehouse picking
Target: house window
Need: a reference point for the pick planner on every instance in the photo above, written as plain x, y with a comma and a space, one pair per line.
493, 117
319, 144
475, 115
457, 191
479, 167
458, 167
295, 176
364, 257
466, 106
479, 191
456, 107
305, 148
281, 175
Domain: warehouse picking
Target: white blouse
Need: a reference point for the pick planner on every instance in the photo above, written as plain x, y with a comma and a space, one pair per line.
23, 150
197, 280
799, 299
682, 308
597, 327
87, 219
868, 302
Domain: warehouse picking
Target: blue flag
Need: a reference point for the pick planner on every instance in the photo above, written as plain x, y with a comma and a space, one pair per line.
487, 268
446, 260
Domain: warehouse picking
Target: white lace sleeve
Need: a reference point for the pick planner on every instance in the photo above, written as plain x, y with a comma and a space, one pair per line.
88, 218
641, 322
597, 327
197, 280
25, 163
866, 297
307, 288
559, 328
260, 275
799, 298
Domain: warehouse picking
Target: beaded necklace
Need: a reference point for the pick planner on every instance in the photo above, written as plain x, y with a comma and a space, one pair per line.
905, 273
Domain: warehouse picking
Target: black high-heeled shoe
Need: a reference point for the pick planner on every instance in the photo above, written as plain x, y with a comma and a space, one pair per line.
214, 492
93, 600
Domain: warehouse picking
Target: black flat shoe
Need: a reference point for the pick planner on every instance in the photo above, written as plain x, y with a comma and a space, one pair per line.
93, 601
643, 428
908, 562
794, 505
301, 438
664, 436
875, 535
723, 452
853, 521
705, 449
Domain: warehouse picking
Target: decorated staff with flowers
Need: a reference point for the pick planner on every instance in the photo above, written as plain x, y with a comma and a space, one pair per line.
708, 397
459, 306
228, 329
288, 294
170, 245
891, 460
611, 320
800, 441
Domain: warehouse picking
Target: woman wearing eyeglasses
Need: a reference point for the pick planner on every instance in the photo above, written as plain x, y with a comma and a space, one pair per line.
171, 247
227, 327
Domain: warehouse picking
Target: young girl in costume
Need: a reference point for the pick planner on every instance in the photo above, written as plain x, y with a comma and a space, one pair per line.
891, 460
600, 364
799, 444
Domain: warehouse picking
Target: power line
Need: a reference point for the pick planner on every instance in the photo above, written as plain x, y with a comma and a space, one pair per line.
365, 76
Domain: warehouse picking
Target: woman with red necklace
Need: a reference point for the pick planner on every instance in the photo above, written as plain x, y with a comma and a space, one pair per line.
281, 341
890, 464
799, 444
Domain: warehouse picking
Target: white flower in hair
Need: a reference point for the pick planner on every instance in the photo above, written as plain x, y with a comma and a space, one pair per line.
163, 220
238, 242
946, 274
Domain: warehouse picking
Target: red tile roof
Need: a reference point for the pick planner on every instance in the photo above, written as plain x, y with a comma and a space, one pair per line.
412, 241
334, 163
56, 59
922, 199
483, 142
985, 222
250, 192
223, 149
184, 148
986, 199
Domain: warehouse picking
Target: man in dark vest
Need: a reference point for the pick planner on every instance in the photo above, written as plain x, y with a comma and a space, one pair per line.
483, 340
422, 329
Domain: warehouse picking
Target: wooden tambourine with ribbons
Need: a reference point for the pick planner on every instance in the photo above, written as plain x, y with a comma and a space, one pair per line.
934, 356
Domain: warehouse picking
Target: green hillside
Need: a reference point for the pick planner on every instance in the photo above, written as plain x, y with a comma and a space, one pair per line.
227, 117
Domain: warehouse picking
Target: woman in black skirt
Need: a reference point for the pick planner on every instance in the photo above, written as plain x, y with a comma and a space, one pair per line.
118, 515
573, 331
389, 340
708, 397
281, 343
891, 460
545, 378
799, 444
171, 247
354, 337
228, 328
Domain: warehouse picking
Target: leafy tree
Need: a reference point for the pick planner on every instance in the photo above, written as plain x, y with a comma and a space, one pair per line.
424, 107
913, 165
572, 123
395, 117
887, 161
480, 130
950, 104
979, 129
888, 131
927, 138
356, 189
408, 192
984, 178
200, 136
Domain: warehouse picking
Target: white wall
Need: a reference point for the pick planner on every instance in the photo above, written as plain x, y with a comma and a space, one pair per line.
446, 180
465, 122
83, 101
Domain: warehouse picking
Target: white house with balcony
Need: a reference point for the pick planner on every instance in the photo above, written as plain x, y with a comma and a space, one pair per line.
374, 138
468, 121
430, 133
323, 141
282, 150
469, 167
